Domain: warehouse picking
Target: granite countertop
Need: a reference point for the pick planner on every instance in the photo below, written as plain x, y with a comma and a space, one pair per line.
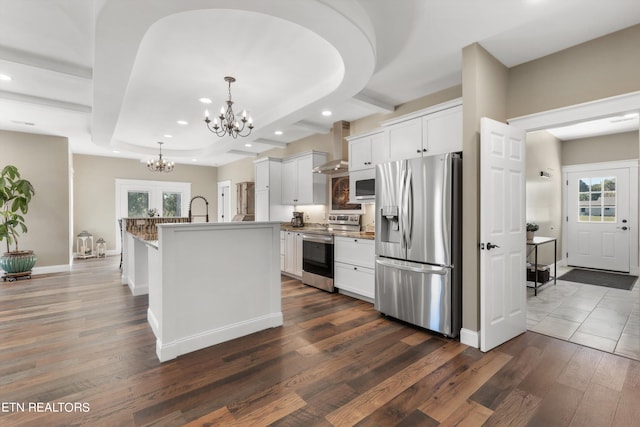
325, 230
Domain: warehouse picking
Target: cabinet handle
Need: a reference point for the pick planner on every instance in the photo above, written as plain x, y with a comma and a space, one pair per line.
355, 240
418, 151
355, 268
424, 150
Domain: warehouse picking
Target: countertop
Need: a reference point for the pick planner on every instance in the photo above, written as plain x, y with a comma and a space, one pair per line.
328, 231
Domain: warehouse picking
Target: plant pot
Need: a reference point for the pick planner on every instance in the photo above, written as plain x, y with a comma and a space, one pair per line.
17, 261
530, 235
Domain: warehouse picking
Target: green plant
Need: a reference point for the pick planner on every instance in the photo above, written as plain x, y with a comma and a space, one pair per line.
15, 196
532, 226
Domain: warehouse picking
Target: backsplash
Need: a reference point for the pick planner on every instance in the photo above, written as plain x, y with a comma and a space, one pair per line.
146, 228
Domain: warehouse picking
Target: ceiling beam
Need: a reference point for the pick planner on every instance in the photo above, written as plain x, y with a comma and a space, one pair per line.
314, 127
372, 103
44, 62
271, 142
30, 99
243, 153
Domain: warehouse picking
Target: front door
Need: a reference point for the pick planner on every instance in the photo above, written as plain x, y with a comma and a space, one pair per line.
503, 296
598, 219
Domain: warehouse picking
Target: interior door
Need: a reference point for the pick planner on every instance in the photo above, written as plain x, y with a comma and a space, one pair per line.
224, 201
598, 226
503, 297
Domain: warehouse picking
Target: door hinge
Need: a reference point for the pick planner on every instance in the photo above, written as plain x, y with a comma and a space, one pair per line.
567, 255
567, 219
567, 183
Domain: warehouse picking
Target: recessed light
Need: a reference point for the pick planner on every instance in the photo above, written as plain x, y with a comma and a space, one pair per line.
194, 160
248, 145
5, 77
20, 122
182, 122
278, 132
205, 100
116, 152
166, 135
326, 113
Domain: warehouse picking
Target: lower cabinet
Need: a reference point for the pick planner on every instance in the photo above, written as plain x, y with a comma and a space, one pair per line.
354, 268
292, 256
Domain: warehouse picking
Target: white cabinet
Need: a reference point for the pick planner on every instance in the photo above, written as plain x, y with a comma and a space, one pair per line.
431, 131
368, 150
292, 253
268, 187
355, 266
442, 131
405, 139
300, 186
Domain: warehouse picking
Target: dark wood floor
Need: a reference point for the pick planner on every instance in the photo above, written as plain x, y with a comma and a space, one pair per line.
82, 339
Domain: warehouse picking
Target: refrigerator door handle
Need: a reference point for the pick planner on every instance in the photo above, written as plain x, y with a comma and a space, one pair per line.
425, 269
402, 217
409, 207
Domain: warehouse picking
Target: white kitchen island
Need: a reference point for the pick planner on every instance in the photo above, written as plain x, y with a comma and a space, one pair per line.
209, 283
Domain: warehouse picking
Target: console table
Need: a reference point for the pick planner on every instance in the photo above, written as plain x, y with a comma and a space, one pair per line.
535, 243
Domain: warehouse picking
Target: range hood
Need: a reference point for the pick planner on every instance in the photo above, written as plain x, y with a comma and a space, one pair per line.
341, 130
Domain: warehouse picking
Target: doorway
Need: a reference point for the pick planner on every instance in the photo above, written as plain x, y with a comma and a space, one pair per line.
594, 316
224, 201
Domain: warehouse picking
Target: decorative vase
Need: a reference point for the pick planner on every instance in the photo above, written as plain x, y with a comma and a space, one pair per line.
17, 262
530, 235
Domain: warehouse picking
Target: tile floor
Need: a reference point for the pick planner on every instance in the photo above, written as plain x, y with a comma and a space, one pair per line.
594, 316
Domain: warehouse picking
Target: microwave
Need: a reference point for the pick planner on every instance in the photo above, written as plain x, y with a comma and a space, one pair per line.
364, 184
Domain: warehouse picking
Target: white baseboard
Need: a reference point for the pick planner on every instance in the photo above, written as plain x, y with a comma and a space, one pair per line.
153, 321
470, 338
205, 339
138, 289
49, 269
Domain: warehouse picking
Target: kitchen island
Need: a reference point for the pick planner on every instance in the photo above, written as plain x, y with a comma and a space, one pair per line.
207, 282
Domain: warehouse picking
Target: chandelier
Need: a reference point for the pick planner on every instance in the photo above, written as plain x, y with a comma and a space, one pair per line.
160, 164
228, 124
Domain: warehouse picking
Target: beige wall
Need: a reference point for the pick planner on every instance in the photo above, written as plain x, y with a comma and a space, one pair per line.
94, 190
604, 148
597, 69
44, 161
484, 84
544, 195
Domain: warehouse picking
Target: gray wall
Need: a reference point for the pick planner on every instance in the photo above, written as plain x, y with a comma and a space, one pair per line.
44, 161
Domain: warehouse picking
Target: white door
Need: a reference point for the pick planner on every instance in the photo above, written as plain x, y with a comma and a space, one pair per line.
224, 201
503, 296
598, 220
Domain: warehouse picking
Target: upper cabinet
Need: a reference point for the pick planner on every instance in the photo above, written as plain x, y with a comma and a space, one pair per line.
431, 131
368, 150
268, 185
300, 186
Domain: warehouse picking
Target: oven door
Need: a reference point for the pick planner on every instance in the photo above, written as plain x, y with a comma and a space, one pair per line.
317, 261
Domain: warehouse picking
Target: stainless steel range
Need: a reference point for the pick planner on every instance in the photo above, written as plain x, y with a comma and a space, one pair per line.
317, 250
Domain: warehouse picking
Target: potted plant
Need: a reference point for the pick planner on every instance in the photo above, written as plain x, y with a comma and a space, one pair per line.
532, 227
15, 196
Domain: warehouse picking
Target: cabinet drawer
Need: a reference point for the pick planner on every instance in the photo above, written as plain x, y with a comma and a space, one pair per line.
355, 251
359, 280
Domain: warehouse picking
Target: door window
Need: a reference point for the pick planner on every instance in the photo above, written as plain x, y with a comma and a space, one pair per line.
171, 204
597, 199
137, 204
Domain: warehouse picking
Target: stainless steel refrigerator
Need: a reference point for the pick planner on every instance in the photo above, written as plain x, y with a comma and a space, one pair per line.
418, 242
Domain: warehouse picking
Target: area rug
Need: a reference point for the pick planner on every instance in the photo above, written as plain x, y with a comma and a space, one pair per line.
600, 278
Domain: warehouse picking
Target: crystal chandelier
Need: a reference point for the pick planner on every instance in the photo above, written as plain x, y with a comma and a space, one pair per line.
160, 164
228, 124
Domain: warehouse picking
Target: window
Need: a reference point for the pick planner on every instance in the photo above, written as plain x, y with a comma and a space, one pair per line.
171, 204
137, 203
135, 198
597, 199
